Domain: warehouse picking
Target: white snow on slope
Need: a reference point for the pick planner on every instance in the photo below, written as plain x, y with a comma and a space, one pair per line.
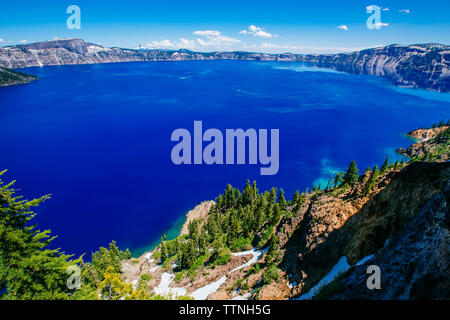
339, 268
164, 289
204, 292
364, 260
256, 256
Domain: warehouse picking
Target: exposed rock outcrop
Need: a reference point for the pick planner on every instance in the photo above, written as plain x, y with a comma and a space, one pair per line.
421, 66
199, 212
427, 143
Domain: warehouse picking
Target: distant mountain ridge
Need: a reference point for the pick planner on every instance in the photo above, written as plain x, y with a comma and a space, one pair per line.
424, 66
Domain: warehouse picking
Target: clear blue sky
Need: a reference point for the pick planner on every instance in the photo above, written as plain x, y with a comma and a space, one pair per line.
278, 26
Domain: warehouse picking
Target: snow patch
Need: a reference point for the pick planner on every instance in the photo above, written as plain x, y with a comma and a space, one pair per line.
246, 296
204, 292
153, 269
339, 268
364, 260
257, 254
164, 289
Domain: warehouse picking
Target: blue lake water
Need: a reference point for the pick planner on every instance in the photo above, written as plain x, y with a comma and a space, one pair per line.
97, 137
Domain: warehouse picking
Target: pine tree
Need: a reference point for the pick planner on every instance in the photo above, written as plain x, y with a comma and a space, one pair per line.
272, 196
282, 200
337, 179
385, 166
372, 181
272, 255
296, 197
29, 269
276, 215
396, 165
352, 174
188, 255
202, 242
163, 250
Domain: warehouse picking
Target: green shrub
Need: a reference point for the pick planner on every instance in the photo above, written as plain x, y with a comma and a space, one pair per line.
179, 276
241, 244
272, 274
146, 277
223, 259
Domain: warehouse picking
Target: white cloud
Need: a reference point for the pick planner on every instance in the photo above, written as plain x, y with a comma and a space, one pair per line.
258, 32
1, 40
343, 27
210, 40
23, 41
215, 38
371, 8
187, 43
405, 11
165, 44
381, 24
207, 33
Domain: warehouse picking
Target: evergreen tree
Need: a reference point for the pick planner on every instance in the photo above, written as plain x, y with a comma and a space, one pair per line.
272, 254
163, 250
203, 242
29, 269
276, 215
272, 196
352, 174
385, 166
188, 255
337, 179
296, 197
372, 181
282, 200
396, 165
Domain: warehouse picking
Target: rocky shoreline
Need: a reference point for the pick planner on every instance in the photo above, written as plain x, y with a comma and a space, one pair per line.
422, 145
425, 66
9, 77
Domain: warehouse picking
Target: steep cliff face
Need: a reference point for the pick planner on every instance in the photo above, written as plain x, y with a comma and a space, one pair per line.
414, 263
402, 227
77, 51
10, 77
420, 66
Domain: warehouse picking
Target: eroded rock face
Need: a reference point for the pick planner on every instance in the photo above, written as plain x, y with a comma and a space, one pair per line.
418, 66
421, 66
333, 228
415, 264
199, 212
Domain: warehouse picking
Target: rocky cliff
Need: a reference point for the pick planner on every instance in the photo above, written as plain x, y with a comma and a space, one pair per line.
421, 66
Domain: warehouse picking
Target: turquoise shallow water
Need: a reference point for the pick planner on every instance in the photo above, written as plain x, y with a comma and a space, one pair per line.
97, 137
